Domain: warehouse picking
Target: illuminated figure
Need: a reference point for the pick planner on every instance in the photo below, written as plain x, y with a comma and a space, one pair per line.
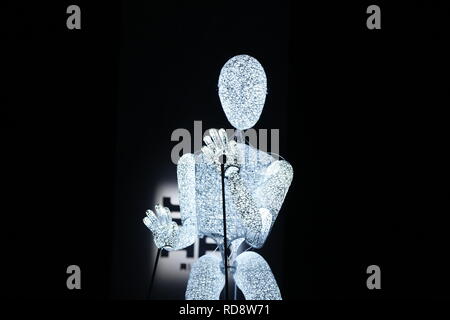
255, 182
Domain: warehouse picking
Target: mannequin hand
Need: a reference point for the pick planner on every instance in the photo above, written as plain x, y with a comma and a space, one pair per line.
161, 225
216, 145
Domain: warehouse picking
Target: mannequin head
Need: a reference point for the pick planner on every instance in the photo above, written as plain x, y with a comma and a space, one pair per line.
242, 91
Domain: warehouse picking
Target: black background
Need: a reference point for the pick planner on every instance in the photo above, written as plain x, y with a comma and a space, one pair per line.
87, 116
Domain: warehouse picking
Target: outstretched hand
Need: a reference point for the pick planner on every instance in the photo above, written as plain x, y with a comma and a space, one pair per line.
161, 225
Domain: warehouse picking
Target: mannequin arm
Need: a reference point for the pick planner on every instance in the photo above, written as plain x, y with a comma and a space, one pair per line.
166, 233
259, 213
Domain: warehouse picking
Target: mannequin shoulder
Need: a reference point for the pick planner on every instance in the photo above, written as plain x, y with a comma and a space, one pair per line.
186, 165
280, 168
186, 159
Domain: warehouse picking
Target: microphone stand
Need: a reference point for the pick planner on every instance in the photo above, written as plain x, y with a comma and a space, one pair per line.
225, 244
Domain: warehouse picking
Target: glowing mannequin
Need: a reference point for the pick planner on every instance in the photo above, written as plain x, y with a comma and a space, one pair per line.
255, 187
